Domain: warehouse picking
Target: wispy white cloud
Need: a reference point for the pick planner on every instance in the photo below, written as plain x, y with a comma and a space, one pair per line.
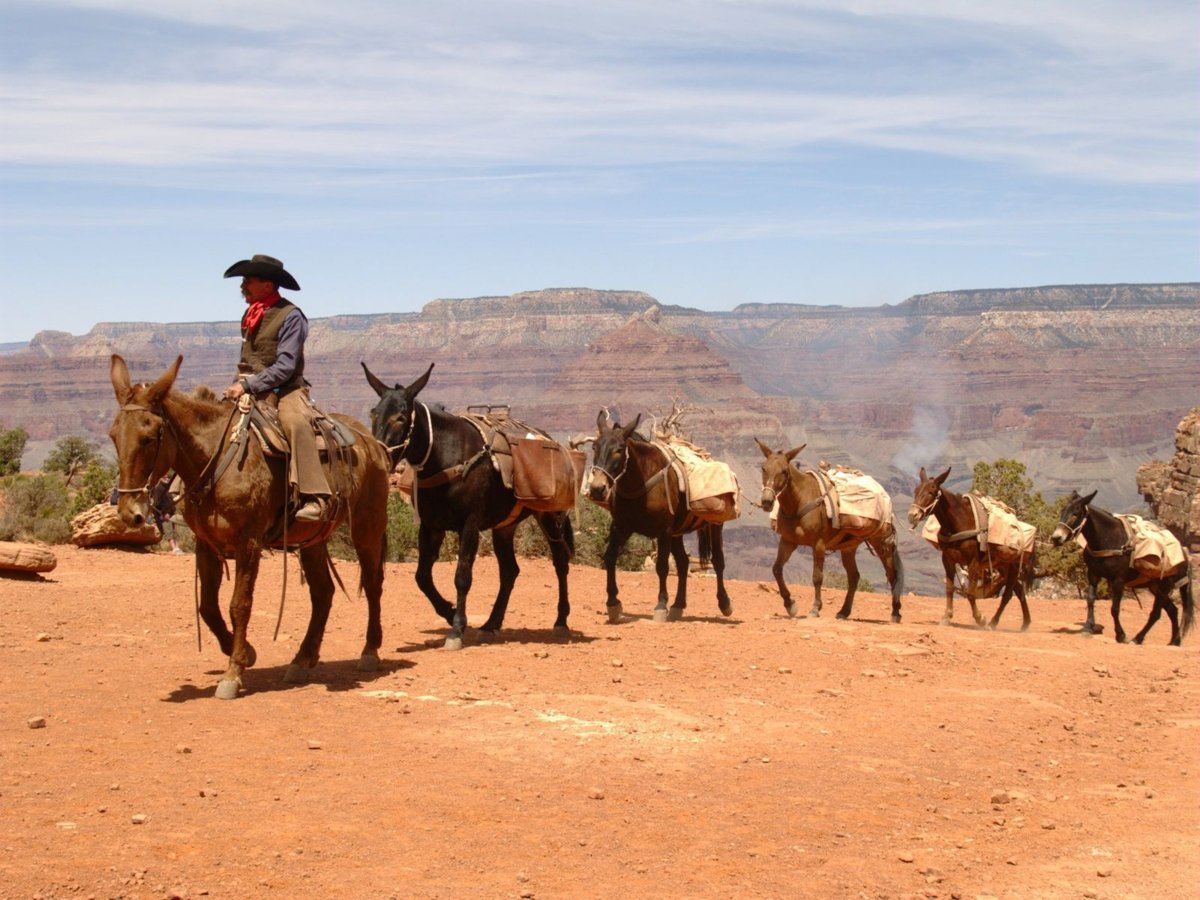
1072, 89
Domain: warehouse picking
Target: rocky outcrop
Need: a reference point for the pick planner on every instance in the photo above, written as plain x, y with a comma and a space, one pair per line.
26, 558
1173, 489
101, 526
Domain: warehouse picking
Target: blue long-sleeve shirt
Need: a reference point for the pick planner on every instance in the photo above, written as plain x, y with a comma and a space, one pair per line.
292, 335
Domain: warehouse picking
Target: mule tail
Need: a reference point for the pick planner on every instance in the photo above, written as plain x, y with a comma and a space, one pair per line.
1187, 601
898, 566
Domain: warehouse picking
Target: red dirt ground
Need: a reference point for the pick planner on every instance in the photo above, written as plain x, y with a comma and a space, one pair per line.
750, 756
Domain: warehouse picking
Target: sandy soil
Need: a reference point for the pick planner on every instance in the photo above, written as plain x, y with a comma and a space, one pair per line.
750, 756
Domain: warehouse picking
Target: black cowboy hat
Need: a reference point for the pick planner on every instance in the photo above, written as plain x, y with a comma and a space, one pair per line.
263, 266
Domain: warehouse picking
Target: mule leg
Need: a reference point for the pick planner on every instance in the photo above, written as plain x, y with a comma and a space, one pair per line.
1020, 588
1117, 587
850, 563
1161, 601
948, 568
973, 583
616, 541
818, 578
315, 563
241, 604
370, 543
682, 566
1089, 626
662, 568
555, 526
468, 549
208, 564
716, 547
429, 545
506, 561
782, 554
1009, 587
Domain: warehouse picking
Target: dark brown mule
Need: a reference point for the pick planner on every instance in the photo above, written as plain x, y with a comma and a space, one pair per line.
803, 520
962, 545
1108, 554
634, 480
158, 429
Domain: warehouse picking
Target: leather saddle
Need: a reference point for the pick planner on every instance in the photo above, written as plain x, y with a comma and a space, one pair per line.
265, 425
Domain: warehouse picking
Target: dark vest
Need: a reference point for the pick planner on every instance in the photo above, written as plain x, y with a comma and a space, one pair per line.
260, 349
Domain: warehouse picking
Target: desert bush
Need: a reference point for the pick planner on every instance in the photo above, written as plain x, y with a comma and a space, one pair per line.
95, 486
71, 456
1005, 479
12, 448
35, 508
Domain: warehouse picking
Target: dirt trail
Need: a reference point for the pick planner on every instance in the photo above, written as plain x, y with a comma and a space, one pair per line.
749, 756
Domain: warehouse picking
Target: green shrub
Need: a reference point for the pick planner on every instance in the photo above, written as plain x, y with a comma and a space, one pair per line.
36, 508
12, 448
95, 486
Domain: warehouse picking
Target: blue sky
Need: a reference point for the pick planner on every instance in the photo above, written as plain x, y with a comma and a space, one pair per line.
710, 153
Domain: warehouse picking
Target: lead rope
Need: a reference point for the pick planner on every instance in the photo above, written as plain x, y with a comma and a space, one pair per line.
287, 467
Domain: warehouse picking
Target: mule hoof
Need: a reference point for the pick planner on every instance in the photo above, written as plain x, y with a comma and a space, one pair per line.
674, 614
1137, 640
484, 636
562, 632
792, 609
368, 663
453, 643
661, 614
227, 689
614, 614
944, 620
842, 614
814, 613
295, 674
895, 618
726, 608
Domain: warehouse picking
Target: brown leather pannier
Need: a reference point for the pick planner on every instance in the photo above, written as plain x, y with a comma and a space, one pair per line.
546, 476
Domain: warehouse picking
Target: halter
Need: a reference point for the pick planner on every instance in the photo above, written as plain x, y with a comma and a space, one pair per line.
613, 479
152, 478
1074, 532
771, 487
402, 447
926, 510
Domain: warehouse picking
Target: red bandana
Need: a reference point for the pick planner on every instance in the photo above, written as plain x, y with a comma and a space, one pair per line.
255, 312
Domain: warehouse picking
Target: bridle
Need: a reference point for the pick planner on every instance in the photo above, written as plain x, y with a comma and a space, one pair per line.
611, 486
1073, 530
396, 451
154, 475
928, 508
774, 491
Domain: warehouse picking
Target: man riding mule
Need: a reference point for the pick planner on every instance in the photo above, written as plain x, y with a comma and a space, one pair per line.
235, 495
271, 369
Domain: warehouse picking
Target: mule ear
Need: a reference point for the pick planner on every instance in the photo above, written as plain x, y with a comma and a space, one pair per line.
632, 426
942, 477
159, 389
379, 387
766, 451
119, 373
417, 386
603, 420
794, 452
1088, 499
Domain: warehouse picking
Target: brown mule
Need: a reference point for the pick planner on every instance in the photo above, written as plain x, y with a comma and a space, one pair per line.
804, 521
233, 508
962, 545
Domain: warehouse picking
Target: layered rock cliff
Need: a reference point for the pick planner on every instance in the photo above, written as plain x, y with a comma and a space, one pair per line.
1081, 383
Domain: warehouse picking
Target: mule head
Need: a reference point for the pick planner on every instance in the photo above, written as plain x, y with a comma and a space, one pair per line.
1072, 519
610, 456
925, 497
139, 437
776, 470
392, 417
